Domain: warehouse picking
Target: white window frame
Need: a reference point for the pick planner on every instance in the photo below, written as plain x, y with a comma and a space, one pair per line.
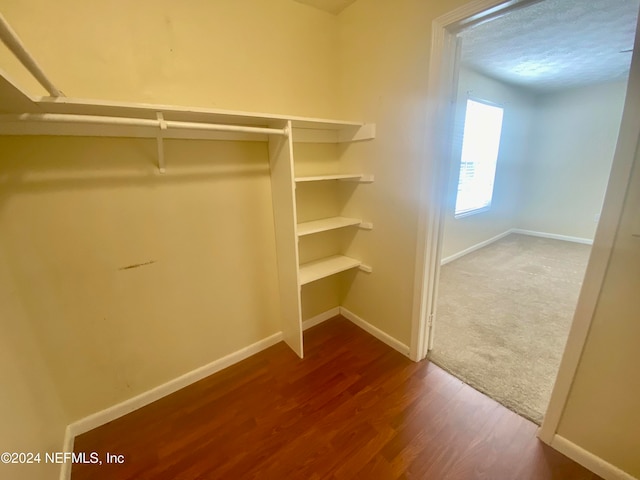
487, 207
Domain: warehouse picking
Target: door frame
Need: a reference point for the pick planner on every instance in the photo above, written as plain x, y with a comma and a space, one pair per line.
441, 92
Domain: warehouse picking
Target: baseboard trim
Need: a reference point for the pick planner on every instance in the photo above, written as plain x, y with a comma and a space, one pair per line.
473, 248
532, 233
109, 414
376, 332
554, 236
67, 446
588, 460
116, 411
318, 319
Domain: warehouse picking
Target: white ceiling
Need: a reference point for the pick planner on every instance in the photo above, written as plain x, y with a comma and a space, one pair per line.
331, 6
555, 44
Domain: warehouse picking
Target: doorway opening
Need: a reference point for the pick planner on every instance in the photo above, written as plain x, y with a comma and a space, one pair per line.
515, 231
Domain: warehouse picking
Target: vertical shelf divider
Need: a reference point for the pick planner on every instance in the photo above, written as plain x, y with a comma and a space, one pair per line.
284, 213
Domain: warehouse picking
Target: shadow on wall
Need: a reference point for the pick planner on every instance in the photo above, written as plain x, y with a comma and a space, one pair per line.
38, 164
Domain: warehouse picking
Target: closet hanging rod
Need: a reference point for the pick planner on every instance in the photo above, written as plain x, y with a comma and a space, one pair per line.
13, 43
138, 122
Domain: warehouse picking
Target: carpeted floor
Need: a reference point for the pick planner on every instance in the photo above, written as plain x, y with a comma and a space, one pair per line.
503, 317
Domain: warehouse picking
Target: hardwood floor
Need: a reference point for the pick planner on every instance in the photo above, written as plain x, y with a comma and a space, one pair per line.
353, 408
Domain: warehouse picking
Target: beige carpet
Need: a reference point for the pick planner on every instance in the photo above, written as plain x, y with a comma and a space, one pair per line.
504, 313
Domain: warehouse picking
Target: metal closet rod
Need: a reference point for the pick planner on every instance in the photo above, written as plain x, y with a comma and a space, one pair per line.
138, 122
13, 43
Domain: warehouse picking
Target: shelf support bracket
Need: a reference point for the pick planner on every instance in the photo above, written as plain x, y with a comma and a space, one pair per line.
160, 142
365, 268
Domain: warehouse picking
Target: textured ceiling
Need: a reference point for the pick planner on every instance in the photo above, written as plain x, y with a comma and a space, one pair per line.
331, 6
555, 44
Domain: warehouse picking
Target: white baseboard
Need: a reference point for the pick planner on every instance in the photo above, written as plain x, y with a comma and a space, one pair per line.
588, 460
318, 319
376, 332
554, 236
100, 418
473, 248
532, 233
112, 413
67, 446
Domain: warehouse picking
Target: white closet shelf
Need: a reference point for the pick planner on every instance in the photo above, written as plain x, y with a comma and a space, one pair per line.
312, 271
326, 224
185, 114
16, 101
357, 177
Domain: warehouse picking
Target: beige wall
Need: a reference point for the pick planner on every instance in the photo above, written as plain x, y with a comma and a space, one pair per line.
602, 414
573, 139
384, 54
76, 212
465, 232
275, 56
31, 413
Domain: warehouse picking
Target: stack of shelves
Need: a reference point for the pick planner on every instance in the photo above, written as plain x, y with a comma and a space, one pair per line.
331, 265
309, 221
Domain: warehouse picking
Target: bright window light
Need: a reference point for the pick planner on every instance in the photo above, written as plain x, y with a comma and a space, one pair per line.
480, 144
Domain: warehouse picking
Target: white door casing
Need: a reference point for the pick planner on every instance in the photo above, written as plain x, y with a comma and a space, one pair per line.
441, 93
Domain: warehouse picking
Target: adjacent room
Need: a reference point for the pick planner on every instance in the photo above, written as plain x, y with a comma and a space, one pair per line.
539, 104
217, 227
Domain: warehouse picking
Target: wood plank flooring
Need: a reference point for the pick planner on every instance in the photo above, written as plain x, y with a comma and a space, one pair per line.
353, 408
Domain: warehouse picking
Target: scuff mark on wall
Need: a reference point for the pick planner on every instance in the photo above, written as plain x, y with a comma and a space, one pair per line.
136, 265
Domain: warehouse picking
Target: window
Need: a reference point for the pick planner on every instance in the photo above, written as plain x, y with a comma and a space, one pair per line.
480, 144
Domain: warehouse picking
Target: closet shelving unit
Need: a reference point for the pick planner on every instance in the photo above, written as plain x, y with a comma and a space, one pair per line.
330, 265
23, 114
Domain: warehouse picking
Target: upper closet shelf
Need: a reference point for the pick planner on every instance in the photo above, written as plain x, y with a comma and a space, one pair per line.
22, 114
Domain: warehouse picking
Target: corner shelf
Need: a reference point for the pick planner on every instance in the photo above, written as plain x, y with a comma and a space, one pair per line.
326, 224
312, 271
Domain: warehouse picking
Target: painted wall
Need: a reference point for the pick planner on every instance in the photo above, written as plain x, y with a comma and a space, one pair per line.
31, 412
128, 278
602, 414
384, 54
275, 56
574, 137
465, 232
